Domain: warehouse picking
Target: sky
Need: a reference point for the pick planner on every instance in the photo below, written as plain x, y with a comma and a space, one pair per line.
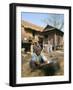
42, 19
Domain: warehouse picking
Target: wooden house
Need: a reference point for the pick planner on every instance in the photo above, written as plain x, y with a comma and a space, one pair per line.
53, 36
49, 35
29, 34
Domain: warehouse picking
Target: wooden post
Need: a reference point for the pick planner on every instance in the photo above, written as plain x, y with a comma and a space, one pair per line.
55, 42
31, 49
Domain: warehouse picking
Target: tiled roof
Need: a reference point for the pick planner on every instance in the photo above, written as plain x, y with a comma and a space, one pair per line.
49, 28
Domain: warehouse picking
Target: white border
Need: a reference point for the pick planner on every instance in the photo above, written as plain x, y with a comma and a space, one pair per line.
24, 80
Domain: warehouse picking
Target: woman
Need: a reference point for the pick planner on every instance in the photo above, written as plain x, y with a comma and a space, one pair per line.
37, 59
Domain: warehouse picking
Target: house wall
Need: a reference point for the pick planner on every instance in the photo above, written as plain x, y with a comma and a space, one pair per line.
26, 34
54, 38
49, 38
59, 37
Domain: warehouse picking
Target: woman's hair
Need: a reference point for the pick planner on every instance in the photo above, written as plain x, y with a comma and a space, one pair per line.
37, 48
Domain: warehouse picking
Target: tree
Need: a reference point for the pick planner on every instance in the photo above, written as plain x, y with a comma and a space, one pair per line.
55, 20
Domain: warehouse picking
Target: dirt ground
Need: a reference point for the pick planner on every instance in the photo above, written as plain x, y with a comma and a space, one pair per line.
26, 71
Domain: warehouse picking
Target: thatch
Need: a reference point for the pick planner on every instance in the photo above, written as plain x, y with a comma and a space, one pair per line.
26, 24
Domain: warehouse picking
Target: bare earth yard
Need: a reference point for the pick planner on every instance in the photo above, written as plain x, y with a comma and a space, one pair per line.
26, 71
